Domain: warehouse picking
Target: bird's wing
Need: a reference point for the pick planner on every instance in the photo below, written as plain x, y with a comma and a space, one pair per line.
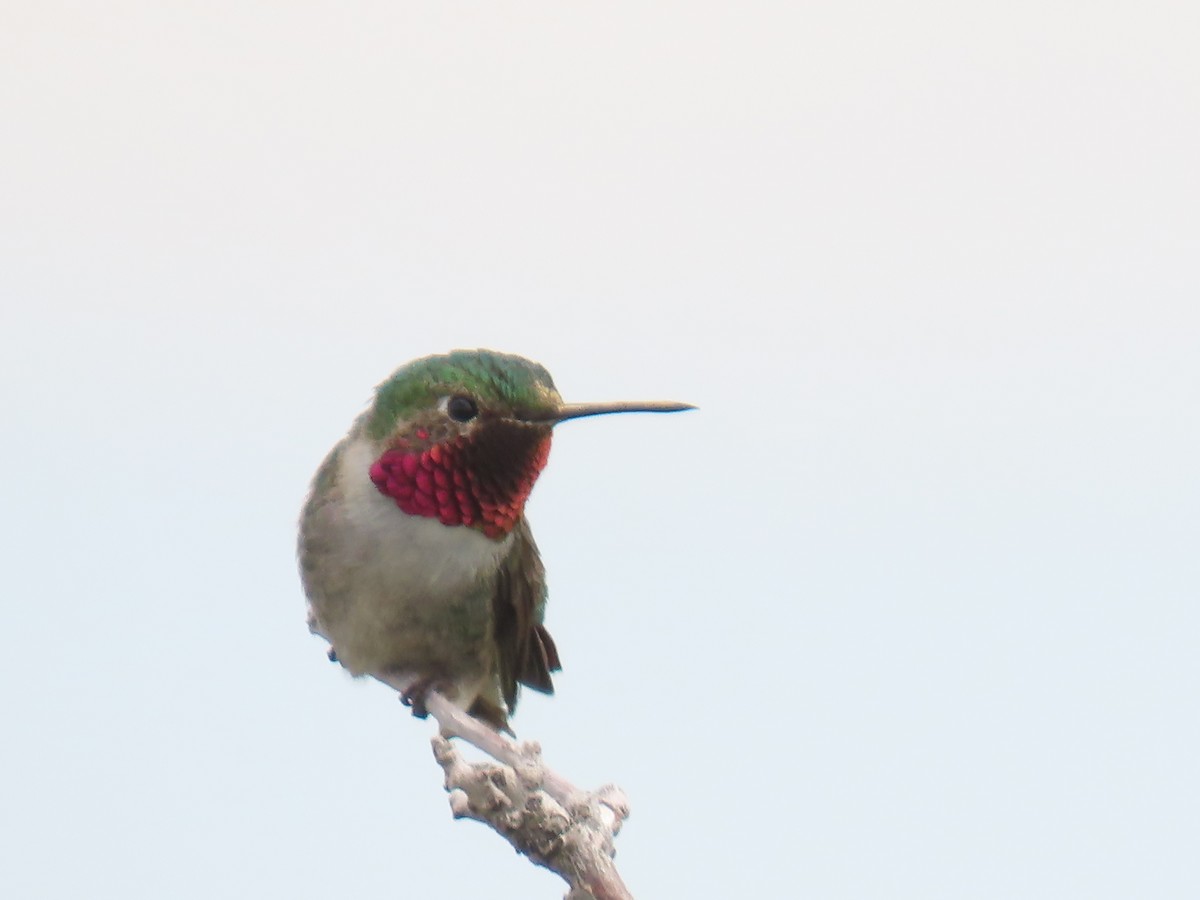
526, 650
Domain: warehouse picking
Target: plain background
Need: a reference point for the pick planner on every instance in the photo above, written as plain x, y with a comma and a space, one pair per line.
908, 609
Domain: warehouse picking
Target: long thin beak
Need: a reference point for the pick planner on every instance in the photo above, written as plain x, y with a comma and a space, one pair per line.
579, 410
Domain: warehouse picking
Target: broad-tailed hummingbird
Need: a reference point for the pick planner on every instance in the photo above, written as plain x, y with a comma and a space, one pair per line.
415, 552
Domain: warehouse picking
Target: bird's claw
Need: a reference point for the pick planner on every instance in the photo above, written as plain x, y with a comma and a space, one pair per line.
416, 694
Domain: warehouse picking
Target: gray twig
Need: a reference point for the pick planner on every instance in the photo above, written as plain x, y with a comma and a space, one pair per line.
540, 813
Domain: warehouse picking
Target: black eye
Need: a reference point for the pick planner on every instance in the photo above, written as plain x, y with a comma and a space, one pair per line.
461, 409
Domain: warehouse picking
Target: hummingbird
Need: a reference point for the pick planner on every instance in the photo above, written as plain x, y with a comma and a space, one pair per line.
415, 553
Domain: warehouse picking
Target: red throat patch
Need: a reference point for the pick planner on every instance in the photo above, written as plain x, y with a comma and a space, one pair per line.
459, 483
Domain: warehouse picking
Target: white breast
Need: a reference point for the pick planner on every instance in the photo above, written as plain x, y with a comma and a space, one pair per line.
411, 555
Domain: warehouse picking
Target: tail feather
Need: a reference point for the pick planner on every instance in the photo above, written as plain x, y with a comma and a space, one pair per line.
540, 660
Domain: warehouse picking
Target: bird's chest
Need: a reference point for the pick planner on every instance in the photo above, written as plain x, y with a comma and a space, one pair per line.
403, 590
416, 558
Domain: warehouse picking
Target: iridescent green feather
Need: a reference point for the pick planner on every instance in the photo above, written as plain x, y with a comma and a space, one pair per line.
508, 384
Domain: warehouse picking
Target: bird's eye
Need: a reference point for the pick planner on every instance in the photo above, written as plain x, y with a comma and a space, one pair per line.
461, 409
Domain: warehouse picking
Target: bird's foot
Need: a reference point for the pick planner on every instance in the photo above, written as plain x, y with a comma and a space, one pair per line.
332, 654
415, 695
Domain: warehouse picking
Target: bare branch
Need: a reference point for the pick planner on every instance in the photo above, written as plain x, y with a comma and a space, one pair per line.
540, 813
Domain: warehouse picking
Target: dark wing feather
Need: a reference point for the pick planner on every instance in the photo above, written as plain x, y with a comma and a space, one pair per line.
526, 651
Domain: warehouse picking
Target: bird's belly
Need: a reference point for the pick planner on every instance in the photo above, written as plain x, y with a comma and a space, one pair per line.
400, 593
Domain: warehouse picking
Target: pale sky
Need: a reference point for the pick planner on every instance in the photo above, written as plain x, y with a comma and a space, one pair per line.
908, 609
